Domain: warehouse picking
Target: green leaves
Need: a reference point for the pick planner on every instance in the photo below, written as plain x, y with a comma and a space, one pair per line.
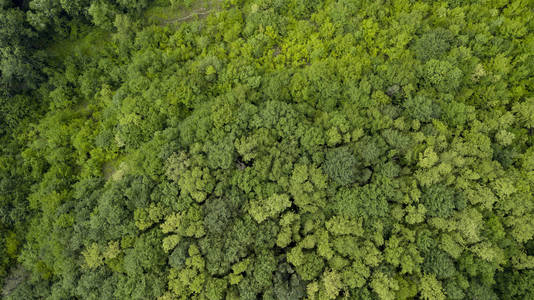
93, 257
442, 75
267, 149
433, 44
338, 225
368, 201
384, 286
270, 207
431, 288
440, 200
340, 165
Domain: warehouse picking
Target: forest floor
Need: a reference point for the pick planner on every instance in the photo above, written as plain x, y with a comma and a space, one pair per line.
87, 42
16, 276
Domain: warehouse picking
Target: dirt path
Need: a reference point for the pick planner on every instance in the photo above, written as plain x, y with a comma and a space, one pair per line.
174, 15
201, 12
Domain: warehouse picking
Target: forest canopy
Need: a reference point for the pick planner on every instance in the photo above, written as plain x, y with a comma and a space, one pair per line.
266, 149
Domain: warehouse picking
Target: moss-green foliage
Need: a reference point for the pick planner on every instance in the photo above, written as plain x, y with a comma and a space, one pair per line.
267, 149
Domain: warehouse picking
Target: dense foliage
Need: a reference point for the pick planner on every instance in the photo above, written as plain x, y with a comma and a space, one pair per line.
271, 149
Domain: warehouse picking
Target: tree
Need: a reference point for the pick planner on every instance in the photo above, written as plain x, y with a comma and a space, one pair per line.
419, 108
19, 65
442, 75
433, 44
384, 286
102, 14
431, 288
266, 149
340, 165
440, 201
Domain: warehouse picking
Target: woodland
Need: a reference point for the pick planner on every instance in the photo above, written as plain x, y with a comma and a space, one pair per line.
266, 149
